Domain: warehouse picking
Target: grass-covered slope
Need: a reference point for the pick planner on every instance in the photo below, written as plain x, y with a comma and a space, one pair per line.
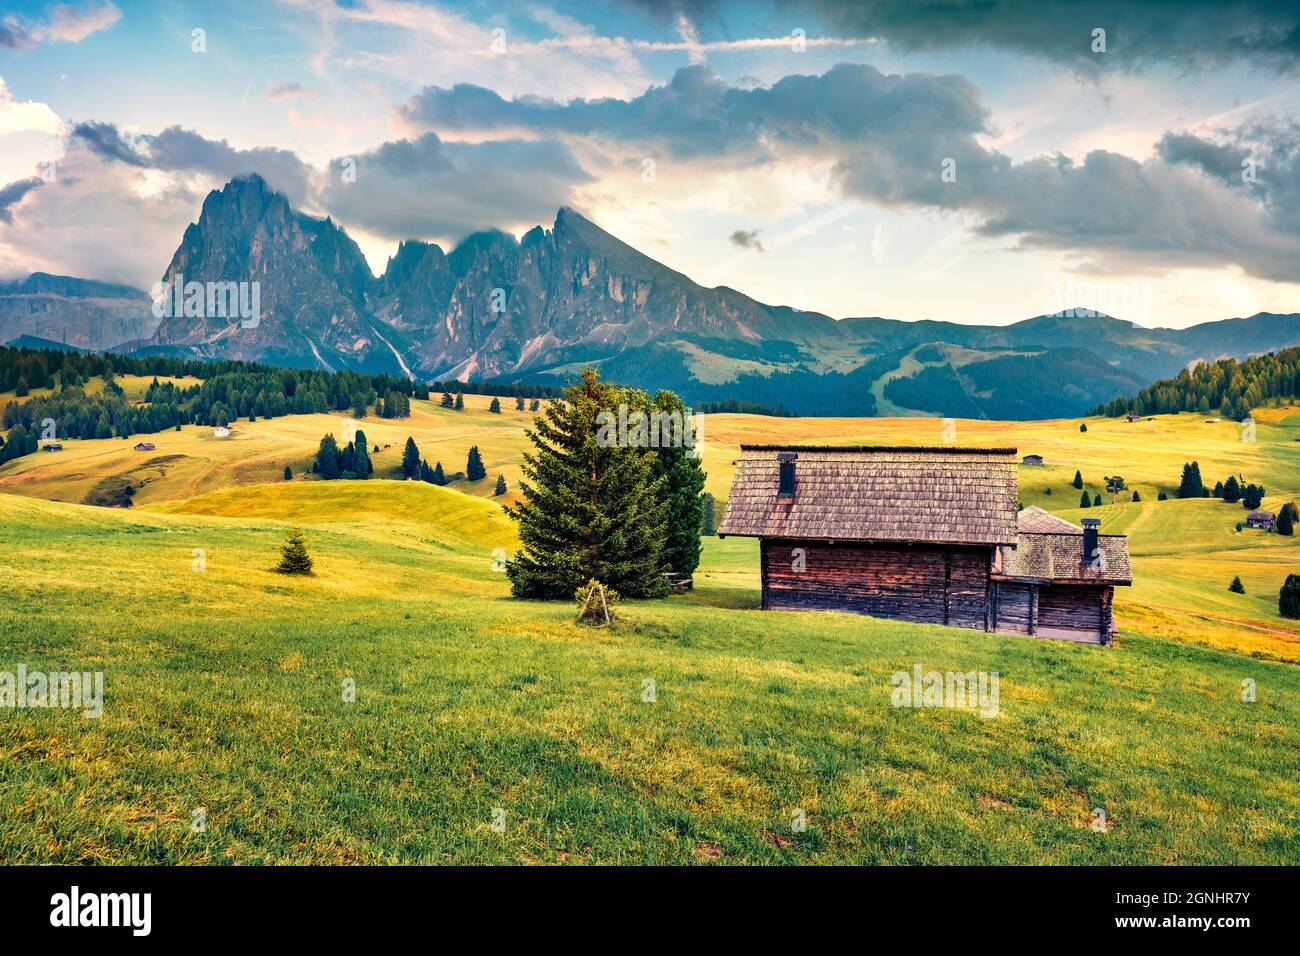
224, 691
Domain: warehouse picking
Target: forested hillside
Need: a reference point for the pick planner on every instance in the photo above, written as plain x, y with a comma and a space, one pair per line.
1227, 387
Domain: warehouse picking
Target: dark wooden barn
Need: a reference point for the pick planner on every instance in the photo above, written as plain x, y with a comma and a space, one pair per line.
919, 534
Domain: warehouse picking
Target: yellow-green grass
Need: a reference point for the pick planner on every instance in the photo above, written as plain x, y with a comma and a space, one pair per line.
224, 691
1185, 553
257, 452
133, 387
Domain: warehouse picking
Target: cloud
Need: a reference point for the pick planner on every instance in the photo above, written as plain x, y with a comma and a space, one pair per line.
427, 188
747, 239
1188, 33
18, 117
101, 218
917, 140
63, 23
12, 194
180, 150
289, 91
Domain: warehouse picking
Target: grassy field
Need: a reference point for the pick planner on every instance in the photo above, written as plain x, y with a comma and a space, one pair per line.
1185, 552
224, 687
224, 692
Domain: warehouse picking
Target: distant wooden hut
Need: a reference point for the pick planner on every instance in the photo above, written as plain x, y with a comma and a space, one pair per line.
1133, 417
146, 446
52, 446
920, 534
1036, 460
1263, 520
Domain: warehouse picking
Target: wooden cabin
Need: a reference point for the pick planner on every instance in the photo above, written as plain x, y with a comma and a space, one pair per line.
146, 446
1035, 460
1263, 520
920, 534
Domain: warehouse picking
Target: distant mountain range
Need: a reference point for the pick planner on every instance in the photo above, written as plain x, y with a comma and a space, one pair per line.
537, 308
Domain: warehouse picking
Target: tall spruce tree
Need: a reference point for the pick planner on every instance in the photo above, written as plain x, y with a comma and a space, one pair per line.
1288, 599
361, 458
1191, 485
327, 458
474, 469
411, 459
677, 463
590, 510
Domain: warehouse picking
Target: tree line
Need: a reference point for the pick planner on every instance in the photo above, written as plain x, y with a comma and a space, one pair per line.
1226, 387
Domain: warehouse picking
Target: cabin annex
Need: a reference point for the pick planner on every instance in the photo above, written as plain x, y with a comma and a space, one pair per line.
931, 535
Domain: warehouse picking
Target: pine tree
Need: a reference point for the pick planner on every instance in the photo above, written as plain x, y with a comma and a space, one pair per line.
447, 401
1083, 426
460, 401
1078, 479
1136, 496
1191, 485
519, 403
1288, 599
474, 469
590, 510
1231, 490
495, 407
683, 483
327, 458
288, 473
294, 558
1096, 500
411, 459
1085, 501
707, 525
426, 473
535, 404
361, 458
501, 486
1219, 489
1162, 496
438, 477
1286, 519
1236, 587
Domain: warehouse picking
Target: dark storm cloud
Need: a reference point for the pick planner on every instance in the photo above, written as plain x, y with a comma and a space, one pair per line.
1200, 33
697, 114
425, 187
12, 194
178, 149
915, 141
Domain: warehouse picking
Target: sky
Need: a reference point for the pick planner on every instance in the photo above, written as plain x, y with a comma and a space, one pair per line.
967, 161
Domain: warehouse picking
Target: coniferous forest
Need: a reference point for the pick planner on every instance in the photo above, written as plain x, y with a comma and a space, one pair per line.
1227, 388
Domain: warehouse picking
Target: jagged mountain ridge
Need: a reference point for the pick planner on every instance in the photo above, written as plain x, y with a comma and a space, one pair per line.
534, 308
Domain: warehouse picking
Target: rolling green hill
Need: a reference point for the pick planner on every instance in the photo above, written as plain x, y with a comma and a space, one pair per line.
224, 691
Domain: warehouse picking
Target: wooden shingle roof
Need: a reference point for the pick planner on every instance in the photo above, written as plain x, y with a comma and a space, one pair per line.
1035, 518
939, 495
1058, 557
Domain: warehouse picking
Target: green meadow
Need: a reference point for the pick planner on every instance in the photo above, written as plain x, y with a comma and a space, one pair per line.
225, 694
392, 707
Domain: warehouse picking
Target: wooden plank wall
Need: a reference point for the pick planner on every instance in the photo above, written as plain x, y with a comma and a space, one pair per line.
1013, 607
931, 584
1070, 607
